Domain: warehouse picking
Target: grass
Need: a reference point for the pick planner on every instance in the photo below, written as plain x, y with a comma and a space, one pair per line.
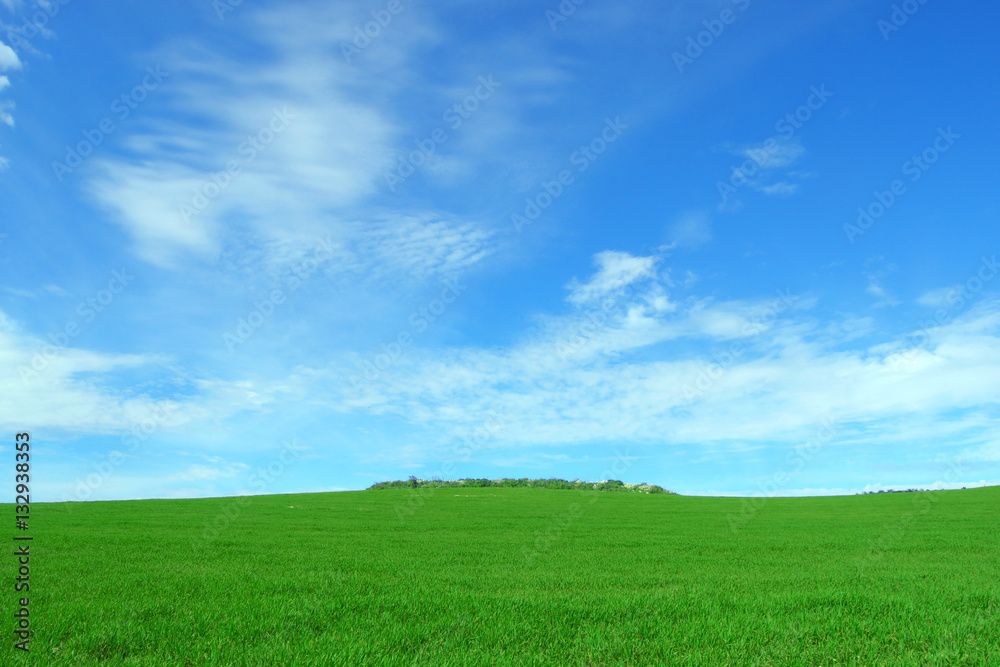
519, 576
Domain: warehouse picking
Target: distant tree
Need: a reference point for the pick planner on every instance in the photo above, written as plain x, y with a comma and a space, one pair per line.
551, 483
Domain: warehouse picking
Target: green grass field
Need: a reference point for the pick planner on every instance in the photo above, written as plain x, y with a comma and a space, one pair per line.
516, 577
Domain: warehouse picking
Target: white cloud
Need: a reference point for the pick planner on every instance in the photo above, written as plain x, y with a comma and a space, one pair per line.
765, 158
202, 473
775, 153
621, 381
5, 116
145, 198
4, 83
421, 245
883, 298
781, 188
66, 389
316, 178
615, 270
8, 58
876, 268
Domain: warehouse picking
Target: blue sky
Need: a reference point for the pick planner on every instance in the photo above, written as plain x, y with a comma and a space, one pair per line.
724, 247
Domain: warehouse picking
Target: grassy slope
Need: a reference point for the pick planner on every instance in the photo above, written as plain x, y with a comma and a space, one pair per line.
630, 579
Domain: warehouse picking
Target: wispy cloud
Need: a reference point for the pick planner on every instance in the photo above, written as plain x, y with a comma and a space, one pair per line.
771, 390
201, 473
781, 188
322, 175
761, 163
615, 270
883, 298
5, 116
775, 153
70, 390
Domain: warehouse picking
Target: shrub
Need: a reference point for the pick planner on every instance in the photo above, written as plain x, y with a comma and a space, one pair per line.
552, 483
